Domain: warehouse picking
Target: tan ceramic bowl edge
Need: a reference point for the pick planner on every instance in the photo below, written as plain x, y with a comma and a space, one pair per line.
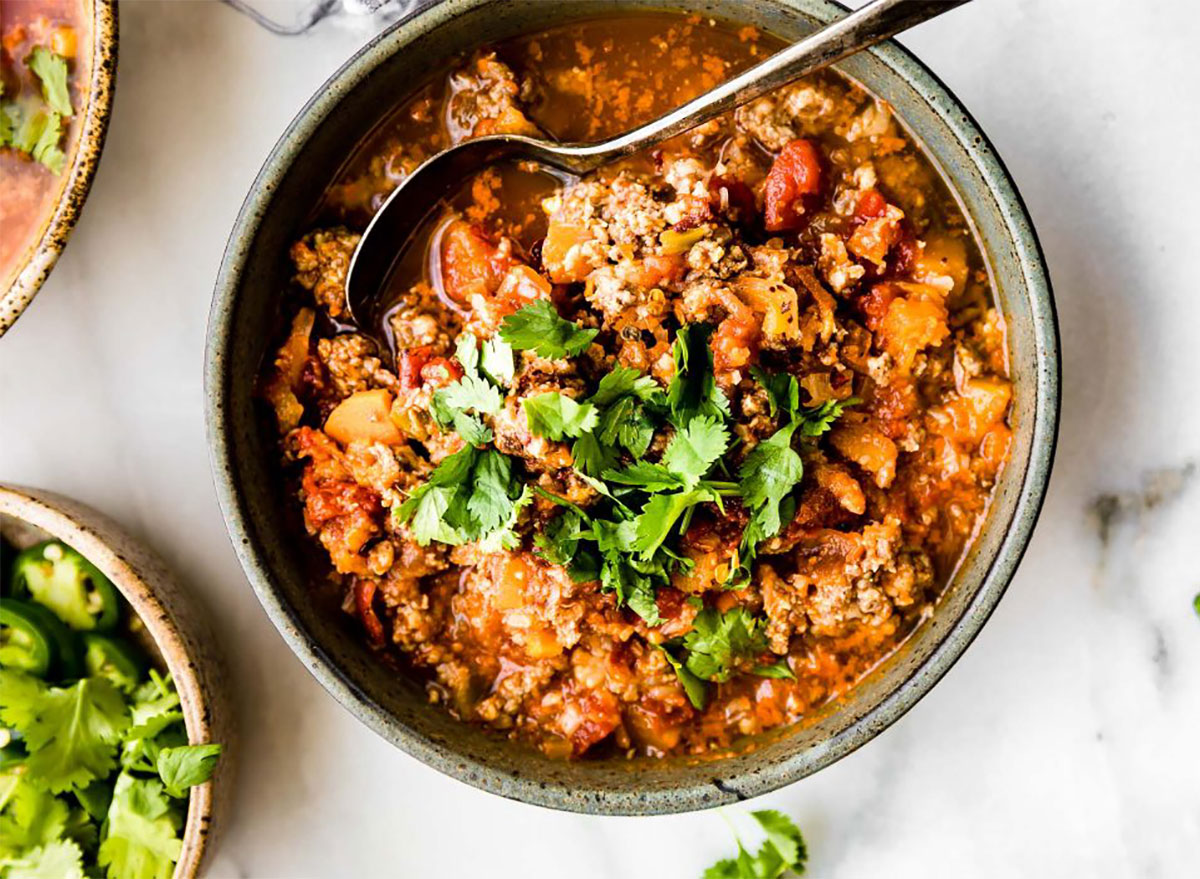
179, 630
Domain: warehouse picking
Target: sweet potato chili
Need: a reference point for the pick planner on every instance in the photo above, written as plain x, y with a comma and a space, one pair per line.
670, 455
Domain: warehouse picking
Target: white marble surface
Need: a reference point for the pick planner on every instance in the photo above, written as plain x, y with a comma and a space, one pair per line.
1065, 742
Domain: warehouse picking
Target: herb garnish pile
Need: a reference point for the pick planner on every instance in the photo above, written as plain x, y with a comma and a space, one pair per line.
782, 851
628, 540
95, 763
35, 127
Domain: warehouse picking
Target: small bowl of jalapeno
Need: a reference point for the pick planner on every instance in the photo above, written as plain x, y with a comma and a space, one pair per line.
113, 714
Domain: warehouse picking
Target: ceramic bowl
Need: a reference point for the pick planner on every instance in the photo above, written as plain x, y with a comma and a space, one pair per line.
245, 317
180, 639
35, 267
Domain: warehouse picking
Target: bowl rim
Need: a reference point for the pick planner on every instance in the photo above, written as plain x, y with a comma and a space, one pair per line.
53, 239
171, 621
1046, 378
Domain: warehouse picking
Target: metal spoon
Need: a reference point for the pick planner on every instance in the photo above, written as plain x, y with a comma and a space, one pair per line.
410, 203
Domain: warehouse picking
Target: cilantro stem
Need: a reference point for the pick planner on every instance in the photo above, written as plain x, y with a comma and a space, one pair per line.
561, 501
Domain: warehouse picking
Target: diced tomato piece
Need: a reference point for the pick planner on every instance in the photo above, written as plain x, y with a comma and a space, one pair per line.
875, 302
588, 716
410, 364
795, 174
905, 252
441, 371
871, 203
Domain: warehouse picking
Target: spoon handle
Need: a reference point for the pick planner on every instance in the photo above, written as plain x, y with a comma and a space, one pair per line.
873, 23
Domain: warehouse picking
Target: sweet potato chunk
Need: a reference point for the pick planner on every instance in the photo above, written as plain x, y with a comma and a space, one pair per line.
562, 253
363, 417
778, 305
968, 417
910, 326
867, 447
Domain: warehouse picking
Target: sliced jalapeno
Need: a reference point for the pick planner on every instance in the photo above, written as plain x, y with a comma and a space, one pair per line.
66, 657
117, 661
25, 645
57, 577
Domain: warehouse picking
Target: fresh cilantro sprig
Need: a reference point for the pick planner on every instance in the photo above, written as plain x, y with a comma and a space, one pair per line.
538, 327
71, 732
782, 851
472, 495
557, 416
773, 468
718, 645
693, 391
461, 403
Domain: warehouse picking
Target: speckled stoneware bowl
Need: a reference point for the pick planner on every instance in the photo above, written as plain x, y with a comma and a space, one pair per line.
39, 259
245, 315
179, 638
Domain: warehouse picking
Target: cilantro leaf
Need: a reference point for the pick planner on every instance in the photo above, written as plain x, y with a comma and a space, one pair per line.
539, 328
626, 423
696, 689
693, 390
7, 123
771, 470
490, 503
778, 669
470, 393
784, 836
61, 859
454, 404
555, 416
184, 767
142, 839
783, 851
560, 539
51, 69
427, 505
624, 380
819, 420
504, 536
37, 132
695, 448
632, 586
469, 496
46, 149
71, 733
591, 456
718, 642
155, 707
646, 476
29, 816
658, 517
783, 391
